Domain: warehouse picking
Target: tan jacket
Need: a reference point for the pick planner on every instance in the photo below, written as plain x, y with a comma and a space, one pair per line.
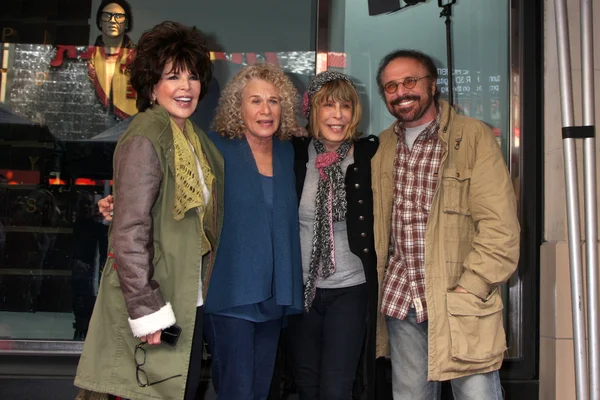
472, 240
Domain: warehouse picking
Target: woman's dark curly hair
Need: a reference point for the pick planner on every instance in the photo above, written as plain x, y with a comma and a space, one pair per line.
168, 42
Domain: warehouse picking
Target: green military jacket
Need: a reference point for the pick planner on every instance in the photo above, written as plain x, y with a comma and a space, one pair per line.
107, 364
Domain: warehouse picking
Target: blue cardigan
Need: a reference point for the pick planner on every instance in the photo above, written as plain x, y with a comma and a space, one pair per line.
244, 271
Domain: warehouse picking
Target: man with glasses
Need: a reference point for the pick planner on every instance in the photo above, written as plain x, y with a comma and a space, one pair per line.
113, 53
446, 237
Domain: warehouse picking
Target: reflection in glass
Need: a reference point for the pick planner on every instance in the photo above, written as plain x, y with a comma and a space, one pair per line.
90, 239
110, 58
357, 42
54, 239
354, 43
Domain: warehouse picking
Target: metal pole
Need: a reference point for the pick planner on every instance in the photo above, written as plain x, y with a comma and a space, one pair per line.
589, 176
447, 12
577, 303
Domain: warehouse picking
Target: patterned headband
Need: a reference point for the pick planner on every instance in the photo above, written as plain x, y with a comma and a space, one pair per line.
317, 82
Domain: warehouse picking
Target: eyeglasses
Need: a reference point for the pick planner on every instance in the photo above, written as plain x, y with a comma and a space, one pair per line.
107, 16
409, 82
141, 376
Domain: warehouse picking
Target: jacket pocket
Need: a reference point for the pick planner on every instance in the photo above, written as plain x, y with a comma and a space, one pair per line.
456, 182
476, 326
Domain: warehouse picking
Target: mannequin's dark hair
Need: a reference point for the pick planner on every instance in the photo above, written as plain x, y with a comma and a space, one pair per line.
125, 5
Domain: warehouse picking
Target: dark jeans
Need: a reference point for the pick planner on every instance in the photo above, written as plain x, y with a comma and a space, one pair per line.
243, 355
327, 342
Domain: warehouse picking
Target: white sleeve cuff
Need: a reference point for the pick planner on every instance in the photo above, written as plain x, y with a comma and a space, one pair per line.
154, 322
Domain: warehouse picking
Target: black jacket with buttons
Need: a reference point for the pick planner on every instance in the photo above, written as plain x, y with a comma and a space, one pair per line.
359, 223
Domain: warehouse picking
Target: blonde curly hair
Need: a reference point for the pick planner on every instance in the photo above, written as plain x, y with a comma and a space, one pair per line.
228, 120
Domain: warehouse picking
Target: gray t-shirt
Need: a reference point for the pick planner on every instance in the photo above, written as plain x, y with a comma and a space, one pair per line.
349, 269
411, 134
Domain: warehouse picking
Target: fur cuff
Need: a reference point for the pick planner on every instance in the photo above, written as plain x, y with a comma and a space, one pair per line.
154, 322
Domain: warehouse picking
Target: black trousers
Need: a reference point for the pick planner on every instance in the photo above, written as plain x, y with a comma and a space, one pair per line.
326, 343
195, 368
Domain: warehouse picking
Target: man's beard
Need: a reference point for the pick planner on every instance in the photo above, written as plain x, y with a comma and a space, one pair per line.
414, 112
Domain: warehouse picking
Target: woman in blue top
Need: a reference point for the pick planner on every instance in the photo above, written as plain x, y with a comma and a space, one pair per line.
257, 276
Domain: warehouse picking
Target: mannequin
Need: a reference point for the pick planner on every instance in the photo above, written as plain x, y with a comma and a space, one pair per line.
112, 54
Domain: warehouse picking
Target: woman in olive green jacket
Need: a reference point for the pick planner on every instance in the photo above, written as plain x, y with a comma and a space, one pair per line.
168, 193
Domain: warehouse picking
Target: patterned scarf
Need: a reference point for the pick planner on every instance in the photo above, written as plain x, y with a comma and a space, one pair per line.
330, 207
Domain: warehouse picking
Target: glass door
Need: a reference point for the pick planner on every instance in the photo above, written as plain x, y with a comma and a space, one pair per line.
490, 53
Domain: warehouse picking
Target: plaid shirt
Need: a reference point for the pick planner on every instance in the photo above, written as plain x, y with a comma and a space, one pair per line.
415, 183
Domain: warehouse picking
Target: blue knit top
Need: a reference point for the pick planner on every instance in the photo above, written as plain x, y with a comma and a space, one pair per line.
252, 265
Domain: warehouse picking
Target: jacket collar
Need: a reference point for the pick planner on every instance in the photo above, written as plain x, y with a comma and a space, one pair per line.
446, 120
127, 43
165, 139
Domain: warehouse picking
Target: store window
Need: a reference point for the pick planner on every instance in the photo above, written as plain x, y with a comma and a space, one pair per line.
58, 131
481, 54
64, 102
